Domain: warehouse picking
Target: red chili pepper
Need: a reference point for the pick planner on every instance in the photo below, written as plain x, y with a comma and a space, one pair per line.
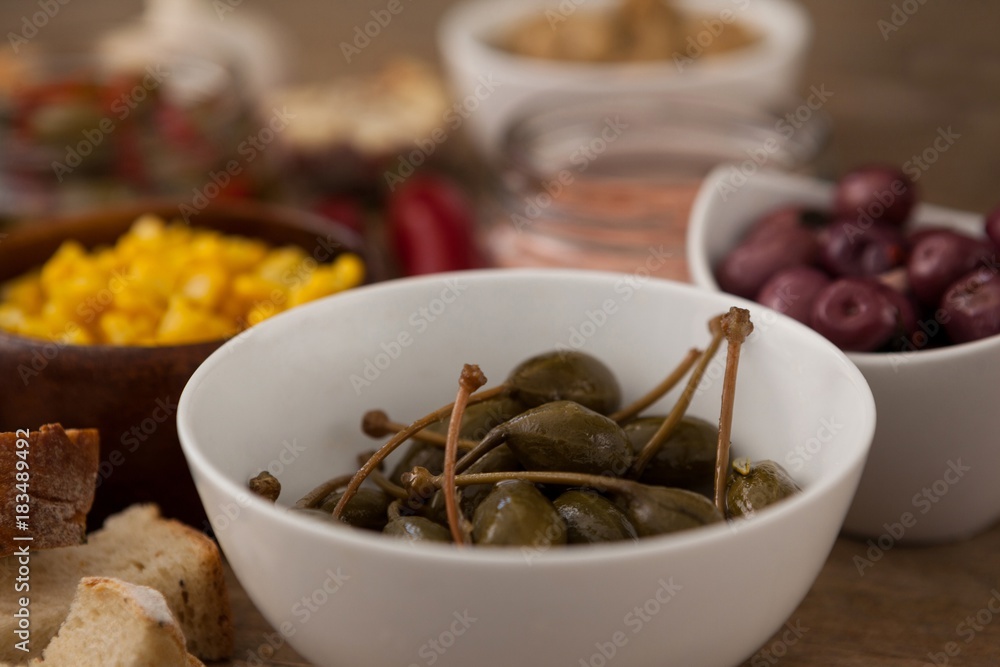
431, 226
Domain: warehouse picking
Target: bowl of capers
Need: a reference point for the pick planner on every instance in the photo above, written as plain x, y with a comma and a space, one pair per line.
526, 467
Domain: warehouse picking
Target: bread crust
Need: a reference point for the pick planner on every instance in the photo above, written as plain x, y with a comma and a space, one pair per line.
62, 474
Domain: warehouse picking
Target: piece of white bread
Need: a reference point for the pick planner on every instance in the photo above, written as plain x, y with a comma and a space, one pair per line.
138, 547
112, 623
58, 471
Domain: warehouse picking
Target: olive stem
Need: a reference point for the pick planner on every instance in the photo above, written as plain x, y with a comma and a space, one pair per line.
669, 424
312, 499
389, 487
600, 482
377, 424
737, 326
657, 392
472, 378
395, 441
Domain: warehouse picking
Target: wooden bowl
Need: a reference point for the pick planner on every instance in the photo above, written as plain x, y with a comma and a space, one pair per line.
131, 393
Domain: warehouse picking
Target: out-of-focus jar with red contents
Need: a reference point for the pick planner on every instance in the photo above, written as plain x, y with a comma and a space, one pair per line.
609, 186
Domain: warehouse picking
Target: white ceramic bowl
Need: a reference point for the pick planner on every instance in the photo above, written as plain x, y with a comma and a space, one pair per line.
289, 396
930, 476
492, 84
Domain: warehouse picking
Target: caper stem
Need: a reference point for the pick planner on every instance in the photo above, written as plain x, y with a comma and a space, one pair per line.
395, 441
669, 424
600, 482
657, 392
737, 326
472, 378
388, 487
312, 499
377, 424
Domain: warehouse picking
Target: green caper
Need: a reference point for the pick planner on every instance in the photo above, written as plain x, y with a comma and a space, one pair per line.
422, 455
685, 460
367, 509
515, 513
416, 529
591, 517
565, 375
568, 437
754, 486
501, 459
658, 510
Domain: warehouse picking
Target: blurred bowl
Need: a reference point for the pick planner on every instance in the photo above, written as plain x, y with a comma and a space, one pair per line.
289, 399
490, 84
129, 392
929, 475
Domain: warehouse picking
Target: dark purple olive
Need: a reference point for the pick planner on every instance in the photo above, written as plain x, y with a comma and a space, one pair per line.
781, 220
973, 306
906, 311
993, 226
875, 193
793, 291
851, 249
941, 258
854, 315
748, 266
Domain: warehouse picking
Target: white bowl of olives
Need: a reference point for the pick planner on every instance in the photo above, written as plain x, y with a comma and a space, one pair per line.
912, 292
282, 407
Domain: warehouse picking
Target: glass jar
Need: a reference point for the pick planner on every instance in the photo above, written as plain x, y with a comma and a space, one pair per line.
610, 185
79, 132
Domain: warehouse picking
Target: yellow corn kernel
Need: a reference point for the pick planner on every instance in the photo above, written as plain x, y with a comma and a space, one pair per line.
118, 328
76, 335
242, 254
184, 323
252, 288
205, 286
350, 269
261, 311
62, 264
25, 293
12, 317
282, 265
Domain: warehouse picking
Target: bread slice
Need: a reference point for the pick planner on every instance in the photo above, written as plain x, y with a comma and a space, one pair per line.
138, 547
60, 468
112, 623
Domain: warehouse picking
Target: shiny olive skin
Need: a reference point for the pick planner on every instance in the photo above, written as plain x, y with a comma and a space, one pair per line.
515, 513
752, 487
477, 421
566, 375
501, 459
590, 518
367, 509
416, 529
567, 437
657, 510
686, 460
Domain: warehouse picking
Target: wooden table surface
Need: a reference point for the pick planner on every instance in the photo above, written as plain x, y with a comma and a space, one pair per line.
907, 604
